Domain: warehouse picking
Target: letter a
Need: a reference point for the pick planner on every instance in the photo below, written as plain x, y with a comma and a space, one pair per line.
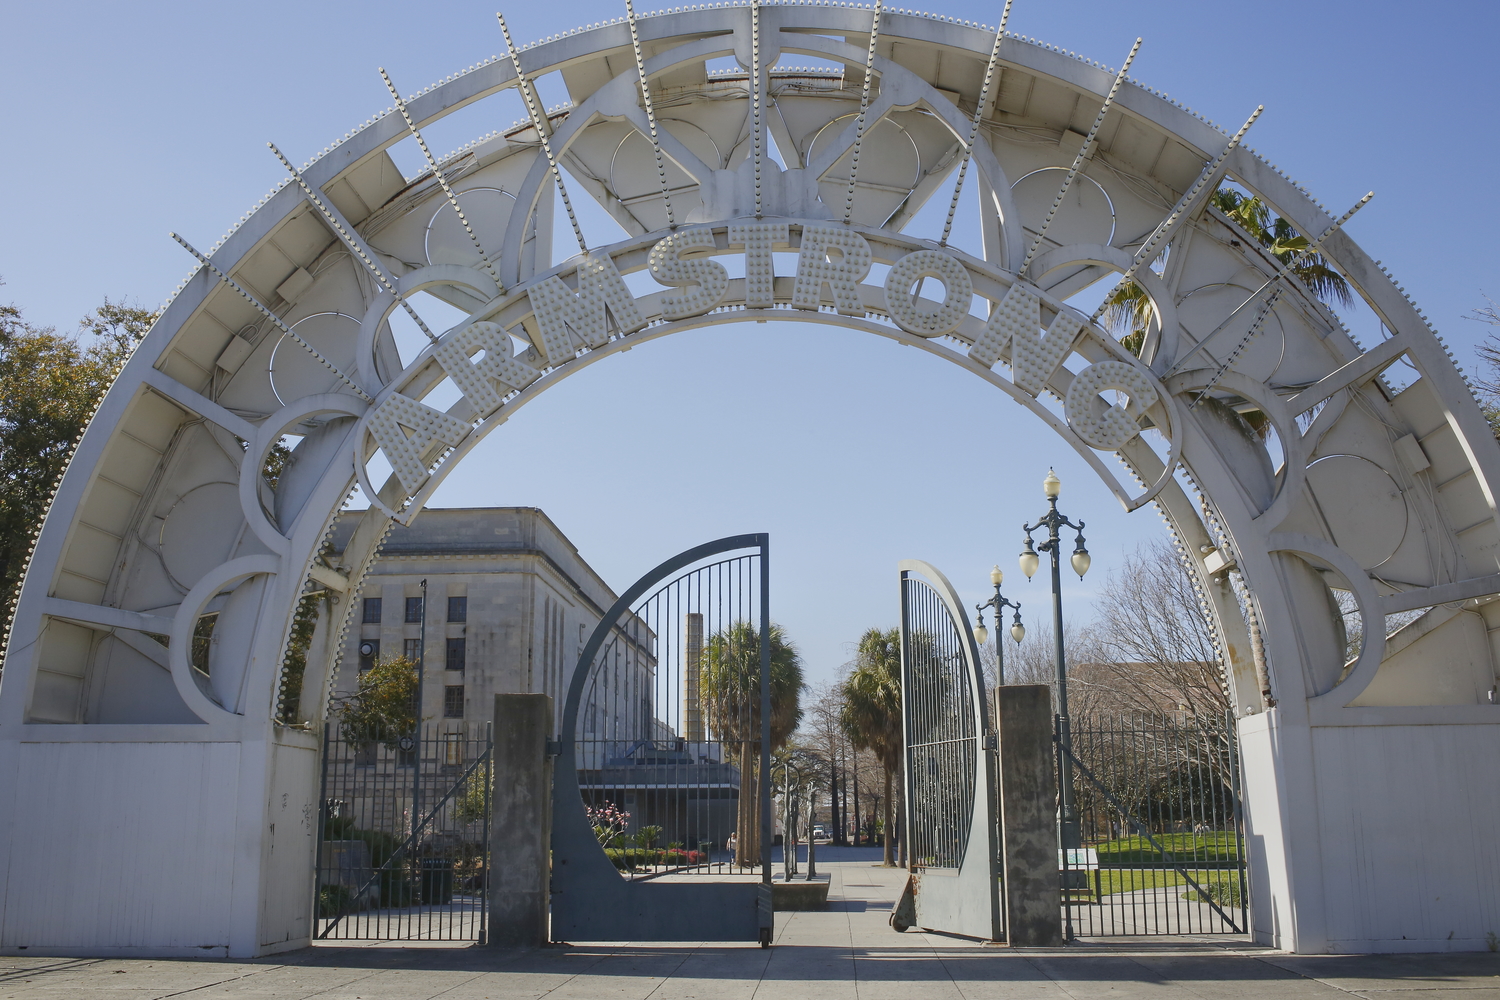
389, 426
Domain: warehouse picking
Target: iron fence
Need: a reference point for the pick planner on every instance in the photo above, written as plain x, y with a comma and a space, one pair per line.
667, 743
403, 834
941, 733
1163, 843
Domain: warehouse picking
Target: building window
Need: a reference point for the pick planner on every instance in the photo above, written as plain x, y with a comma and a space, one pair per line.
453, 701
458, 609
369, 653
456, 654
372, 611
413, 610
414, 650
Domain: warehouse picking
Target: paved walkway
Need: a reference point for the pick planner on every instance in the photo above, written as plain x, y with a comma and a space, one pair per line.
845, 953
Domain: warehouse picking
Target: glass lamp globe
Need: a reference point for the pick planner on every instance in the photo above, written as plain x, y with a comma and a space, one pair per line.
1029, 561
1051, 486
981, 634
996, 576
1018, 631
1081, 561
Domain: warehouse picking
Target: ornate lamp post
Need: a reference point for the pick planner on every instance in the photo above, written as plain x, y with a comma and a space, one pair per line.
982, 634
1067, 818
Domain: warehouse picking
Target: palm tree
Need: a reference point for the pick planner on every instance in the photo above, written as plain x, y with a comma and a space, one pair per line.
871, 716
1128, 308
729, 686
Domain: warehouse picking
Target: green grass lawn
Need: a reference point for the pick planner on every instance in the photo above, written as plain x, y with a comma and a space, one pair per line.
1113, 880
1213, 848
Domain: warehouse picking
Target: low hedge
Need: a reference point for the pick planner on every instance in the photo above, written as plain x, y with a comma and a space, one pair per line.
631, 858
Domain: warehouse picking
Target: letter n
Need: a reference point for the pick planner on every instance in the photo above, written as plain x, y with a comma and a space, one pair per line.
1034, 356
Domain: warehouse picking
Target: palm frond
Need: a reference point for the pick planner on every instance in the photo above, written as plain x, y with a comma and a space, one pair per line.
1127, 312
1287, 245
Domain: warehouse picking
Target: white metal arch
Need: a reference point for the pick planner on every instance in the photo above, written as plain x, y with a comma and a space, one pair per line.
91, 702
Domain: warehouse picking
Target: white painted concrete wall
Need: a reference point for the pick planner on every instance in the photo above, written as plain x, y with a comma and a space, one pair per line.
120, 848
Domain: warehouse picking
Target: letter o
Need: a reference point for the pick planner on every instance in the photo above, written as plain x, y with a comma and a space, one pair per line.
1110, 430
958, 293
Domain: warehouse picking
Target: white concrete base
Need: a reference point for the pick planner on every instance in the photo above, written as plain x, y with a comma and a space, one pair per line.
156, 848
1383, 838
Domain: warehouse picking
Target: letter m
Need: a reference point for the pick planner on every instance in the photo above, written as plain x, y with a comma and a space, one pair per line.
571, 320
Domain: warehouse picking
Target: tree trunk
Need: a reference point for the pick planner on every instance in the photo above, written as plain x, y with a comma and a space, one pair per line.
857, 817
836, 816
843, 813
745, 825
903, 838
890, 838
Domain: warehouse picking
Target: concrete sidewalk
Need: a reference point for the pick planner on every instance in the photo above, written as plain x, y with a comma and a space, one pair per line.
845, 953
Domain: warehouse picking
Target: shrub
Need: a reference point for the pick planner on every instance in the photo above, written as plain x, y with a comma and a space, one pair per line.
333, 900
1223, 893
631, 858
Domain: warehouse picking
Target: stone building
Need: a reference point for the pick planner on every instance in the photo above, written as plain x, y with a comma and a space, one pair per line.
509, 605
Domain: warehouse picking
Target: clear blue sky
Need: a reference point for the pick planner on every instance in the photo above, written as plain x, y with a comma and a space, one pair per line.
124, 121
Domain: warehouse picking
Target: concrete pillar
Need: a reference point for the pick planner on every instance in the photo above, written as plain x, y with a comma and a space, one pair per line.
521, 829
1028, 815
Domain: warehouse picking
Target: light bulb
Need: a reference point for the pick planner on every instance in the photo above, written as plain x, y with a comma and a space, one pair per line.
1029, 559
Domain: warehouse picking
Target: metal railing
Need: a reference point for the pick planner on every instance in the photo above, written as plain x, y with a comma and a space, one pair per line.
941, 735
666, 806
1163, 846
403, 834
667, 737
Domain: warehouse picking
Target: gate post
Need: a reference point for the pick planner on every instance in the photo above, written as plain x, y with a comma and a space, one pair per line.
1028, 815
521, 824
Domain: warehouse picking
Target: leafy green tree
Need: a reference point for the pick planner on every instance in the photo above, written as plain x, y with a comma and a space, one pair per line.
294, 664
1128, 310
871, 716
50, 384
384, 707
729, 683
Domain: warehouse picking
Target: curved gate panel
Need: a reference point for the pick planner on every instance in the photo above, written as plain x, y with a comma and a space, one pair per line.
662, 826
950, 775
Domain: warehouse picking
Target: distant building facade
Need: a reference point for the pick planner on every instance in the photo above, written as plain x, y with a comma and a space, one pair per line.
509, 605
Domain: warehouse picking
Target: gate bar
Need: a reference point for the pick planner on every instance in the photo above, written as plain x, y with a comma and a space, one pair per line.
765, 900
1141, 828
416, 831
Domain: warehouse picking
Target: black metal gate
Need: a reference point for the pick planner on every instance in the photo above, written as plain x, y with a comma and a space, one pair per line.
1158, 798
403, 836
662, 822
949, 770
